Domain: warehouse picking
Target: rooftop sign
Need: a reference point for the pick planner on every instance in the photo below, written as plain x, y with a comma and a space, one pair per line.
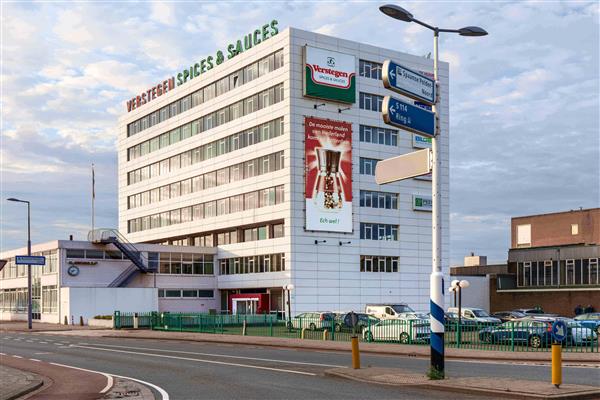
259, 35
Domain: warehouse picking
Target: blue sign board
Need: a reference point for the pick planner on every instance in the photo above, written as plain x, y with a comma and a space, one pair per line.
407, 116
408, 82
559, 330
30, 260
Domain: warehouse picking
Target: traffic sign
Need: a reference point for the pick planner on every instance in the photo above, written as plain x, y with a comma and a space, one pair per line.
351, 319
30, 260
407, 116
559, 330
408, 82
403, 167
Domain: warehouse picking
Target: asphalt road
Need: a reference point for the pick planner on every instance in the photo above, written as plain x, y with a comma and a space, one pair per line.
192, 370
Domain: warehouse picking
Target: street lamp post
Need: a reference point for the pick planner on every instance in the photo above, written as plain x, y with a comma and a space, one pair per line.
457, 287
29, 319
288, 288
436, 302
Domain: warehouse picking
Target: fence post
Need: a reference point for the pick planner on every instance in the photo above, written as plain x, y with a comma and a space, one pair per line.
512, 335
458, 334
117, 318
302, 333
270, 326
244, 327
136, 321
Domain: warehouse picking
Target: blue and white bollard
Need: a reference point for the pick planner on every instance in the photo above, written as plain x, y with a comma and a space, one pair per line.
436, 306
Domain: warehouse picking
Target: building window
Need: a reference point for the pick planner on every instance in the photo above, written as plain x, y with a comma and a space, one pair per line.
369, 69
372, 102
253, 264
369, 231
372, 199
367, 166
378, 264
376, 135
49, 299
574, 229
523, 235
570, 272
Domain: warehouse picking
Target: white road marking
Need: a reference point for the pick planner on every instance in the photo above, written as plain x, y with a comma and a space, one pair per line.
43, 342
45, 352
163, 393
35, 359
17, 357
222, 355
201, 361
2, 354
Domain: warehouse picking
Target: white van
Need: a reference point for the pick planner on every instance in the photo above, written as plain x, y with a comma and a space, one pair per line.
387, 310
478, 315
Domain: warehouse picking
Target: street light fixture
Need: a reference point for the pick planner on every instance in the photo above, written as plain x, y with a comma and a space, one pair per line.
288, 288
436, 279
29, 316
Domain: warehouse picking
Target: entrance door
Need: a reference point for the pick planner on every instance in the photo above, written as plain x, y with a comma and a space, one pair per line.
244, 306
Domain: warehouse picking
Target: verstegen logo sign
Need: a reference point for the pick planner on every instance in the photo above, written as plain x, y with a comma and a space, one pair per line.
329, 75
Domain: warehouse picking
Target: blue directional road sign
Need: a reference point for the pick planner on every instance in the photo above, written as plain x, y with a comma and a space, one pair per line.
30, 260
559, 330
408, 82
407, 116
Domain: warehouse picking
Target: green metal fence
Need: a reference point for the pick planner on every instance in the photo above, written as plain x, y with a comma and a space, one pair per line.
525, 335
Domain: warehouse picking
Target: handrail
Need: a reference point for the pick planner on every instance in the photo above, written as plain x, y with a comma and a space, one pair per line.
109, 235
123, 276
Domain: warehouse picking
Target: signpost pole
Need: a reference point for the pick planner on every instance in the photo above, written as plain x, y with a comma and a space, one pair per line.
29, 316
436, 289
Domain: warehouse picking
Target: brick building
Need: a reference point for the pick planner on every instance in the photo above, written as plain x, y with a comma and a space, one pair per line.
553, 263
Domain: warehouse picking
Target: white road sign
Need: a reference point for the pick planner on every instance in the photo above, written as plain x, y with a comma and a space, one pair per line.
403, 167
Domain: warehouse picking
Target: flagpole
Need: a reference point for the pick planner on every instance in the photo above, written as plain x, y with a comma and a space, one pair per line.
93, 194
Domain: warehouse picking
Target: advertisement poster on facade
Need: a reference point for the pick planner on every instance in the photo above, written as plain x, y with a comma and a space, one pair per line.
329, 75
328, 186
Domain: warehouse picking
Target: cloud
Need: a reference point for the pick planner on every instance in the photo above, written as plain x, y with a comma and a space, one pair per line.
524, 100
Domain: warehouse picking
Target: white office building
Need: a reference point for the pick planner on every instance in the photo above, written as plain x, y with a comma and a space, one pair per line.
269, 156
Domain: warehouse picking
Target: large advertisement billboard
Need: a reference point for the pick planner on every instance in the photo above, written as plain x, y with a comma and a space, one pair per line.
329, 75
328, 187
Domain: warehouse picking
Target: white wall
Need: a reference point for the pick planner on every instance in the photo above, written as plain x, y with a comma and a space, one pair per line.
476, 295
88, 302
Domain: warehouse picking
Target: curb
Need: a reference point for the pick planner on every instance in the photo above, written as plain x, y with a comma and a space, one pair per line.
594, 394
308, 346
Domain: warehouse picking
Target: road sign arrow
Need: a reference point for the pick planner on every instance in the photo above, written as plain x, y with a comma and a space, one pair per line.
408, 82
392, 74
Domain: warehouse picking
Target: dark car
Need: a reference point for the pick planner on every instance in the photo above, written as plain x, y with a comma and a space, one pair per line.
451, 322
364, 321
530, 311
531, 332
505, 316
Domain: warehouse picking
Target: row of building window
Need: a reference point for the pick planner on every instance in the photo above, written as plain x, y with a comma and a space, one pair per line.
373, 199
244, 170
186, 293
370, 231
370, 69
232, 81
367, 166
378, 264
376, 135
234, 235
15, 300
572, 272
252, 264
240, 140
182, 263
247, 106
228, 205
368, 101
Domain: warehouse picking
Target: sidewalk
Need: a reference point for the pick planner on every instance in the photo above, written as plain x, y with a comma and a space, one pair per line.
496, 387
376, 348
15, 383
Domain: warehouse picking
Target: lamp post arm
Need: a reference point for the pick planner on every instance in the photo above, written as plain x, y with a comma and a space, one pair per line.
424, 24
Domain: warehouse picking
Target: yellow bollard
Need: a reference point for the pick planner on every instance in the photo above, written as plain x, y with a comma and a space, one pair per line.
302, 333
355, 353
556, 364
244, 328
325, 334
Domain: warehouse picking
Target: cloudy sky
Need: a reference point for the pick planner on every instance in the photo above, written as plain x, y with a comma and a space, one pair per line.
524, 100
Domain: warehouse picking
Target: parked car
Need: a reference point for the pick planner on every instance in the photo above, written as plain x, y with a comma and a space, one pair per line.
387, 310
397, 330
313, 321
478, 315
364, 321
451, 322
590, 320
505, 316
578, 334
530, 311
532, 332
